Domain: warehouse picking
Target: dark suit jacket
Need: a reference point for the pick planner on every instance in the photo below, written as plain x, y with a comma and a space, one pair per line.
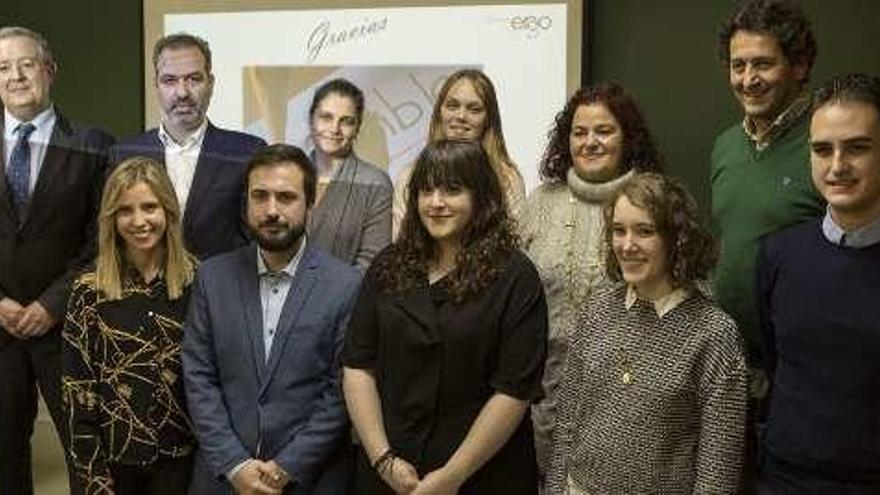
39, 257
213, 221
289, 408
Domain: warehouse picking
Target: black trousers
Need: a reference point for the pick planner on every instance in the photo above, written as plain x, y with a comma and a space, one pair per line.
166, 476
25, 365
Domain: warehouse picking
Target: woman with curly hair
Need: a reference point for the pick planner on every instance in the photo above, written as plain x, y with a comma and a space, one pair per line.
598, 142
122, 375
466, 109
446, 344
653, 395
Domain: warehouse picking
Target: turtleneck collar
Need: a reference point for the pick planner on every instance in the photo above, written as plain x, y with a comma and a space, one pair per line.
595, 192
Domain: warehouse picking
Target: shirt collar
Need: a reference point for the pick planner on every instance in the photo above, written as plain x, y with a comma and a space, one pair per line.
783, 122
290, 269
662, 305
864, 236
41, 121
193, 141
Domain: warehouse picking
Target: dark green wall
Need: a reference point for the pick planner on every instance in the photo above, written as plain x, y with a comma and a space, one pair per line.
662, 51
98, 46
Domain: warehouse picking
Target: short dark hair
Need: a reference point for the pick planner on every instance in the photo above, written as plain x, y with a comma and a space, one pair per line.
342, 87
639, 152
860, 88
276, 154
181, 40
691, 251
782, 19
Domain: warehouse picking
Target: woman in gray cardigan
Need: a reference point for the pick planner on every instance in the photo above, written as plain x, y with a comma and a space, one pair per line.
351, 218
598, 142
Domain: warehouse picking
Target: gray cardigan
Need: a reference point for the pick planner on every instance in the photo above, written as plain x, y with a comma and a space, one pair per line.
353, 220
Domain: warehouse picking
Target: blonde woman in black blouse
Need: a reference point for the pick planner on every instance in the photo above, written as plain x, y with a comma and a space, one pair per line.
122, 384
653, 396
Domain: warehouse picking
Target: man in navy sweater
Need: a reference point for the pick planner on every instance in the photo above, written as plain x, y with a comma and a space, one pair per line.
818, 287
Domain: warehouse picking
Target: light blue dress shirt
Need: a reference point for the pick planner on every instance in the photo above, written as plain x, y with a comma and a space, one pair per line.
862, 237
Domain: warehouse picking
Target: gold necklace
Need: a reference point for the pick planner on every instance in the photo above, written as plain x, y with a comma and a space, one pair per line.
627, 371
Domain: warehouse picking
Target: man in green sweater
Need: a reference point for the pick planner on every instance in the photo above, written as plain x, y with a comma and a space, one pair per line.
760, 177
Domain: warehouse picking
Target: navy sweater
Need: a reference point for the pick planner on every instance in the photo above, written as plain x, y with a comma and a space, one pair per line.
818, 305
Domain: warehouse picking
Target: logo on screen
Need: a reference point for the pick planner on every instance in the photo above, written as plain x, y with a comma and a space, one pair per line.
531, 24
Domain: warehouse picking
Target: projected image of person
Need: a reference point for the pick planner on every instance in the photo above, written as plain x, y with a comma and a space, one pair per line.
653, 395
122, 378
447, 341
351, 218
599, 140
466, 109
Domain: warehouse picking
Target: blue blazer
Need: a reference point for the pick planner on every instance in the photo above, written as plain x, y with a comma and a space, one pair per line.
288, 408
213, 221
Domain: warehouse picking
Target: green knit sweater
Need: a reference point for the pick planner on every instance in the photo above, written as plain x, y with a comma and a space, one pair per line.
755, 193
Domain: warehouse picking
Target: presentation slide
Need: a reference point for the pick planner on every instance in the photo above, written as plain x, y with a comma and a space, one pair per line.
267, 65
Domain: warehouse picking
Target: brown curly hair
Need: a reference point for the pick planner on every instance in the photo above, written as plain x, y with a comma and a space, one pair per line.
639, 152
691, 251
487, 241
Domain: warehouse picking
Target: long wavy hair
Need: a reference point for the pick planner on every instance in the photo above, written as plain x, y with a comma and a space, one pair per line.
639, 152
691, 251
493, 137
487, 240
179, 266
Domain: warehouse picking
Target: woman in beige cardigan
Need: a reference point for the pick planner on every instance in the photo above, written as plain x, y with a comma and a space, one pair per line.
598, 142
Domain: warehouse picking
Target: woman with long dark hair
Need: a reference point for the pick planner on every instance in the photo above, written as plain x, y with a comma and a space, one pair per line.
446, 344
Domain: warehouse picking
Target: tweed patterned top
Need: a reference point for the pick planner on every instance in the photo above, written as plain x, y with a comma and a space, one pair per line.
650, 404
561, 231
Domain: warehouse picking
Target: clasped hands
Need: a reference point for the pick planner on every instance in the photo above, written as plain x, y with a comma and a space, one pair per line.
258, 477
402, 477
24, 322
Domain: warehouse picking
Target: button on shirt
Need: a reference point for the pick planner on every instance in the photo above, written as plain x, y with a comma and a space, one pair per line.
39, 140
181, 159
274, 287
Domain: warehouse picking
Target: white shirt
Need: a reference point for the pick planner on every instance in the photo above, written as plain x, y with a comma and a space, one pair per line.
44, 124
181, 159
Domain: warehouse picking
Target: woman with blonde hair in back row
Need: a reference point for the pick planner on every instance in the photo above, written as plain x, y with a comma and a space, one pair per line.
130, 433
466, 109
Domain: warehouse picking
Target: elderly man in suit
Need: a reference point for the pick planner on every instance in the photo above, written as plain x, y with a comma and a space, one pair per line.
205, 163
262, 342
49, 195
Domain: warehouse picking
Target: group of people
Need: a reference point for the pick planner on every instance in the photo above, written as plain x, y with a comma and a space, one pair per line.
205, 313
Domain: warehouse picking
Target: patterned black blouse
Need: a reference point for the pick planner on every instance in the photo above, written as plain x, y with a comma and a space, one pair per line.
122, 378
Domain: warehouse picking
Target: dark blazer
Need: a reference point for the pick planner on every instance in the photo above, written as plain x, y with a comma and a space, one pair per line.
213, 221
288, 408
39, 257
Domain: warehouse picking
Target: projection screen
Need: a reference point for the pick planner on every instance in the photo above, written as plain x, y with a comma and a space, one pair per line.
269, 56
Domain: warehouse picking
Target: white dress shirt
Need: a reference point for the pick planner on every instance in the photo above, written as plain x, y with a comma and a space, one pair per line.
44, 124
181, 159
